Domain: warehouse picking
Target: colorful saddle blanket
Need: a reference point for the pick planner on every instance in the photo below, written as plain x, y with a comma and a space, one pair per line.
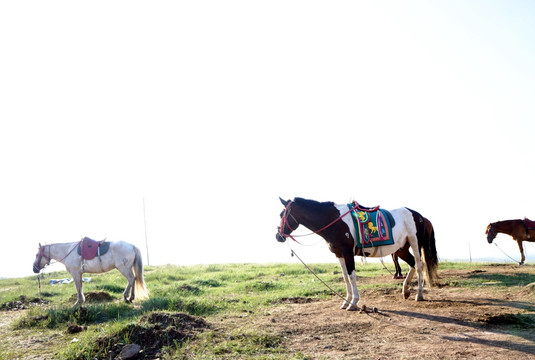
90, 248
373, 226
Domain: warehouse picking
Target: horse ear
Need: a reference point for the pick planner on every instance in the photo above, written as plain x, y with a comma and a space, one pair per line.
283, 202
39, 245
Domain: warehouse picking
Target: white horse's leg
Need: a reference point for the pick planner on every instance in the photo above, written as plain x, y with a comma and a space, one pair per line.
77, 277
128, 293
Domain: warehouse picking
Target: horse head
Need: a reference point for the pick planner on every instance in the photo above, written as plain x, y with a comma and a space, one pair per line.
491, 233
288, 222
37, 266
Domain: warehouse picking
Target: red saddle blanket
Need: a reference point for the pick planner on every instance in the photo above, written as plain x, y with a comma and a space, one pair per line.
529, 224
90, 248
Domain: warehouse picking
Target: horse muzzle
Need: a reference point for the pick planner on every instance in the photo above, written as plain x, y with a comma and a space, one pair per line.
280, 238
36, 269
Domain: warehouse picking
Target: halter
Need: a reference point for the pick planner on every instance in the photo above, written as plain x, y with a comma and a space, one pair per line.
284, 221
490, 231
42, 255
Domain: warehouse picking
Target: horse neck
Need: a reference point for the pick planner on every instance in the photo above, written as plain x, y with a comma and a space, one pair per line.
507, 226
58, 252
317, 218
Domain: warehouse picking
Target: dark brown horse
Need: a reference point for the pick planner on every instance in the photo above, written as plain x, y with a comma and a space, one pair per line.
404, 253
519, 230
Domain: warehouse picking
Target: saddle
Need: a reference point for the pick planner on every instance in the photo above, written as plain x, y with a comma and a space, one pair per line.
376, 208
373, 226
529, 224
89, 248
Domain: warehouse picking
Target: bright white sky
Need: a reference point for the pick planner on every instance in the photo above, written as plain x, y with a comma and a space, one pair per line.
211, 110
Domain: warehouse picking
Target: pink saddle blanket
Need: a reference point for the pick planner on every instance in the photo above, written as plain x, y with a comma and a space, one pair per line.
90, 248
529, 223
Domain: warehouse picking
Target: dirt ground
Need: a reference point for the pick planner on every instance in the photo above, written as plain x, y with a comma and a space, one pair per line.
452, 323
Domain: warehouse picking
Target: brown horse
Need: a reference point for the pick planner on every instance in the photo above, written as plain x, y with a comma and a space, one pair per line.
519, 230
428, 232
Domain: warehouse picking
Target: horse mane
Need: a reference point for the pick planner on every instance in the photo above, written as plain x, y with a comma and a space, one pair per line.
313, 204
507, 222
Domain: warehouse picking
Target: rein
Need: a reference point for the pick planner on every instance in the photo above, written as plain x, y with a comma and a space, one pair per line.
313, 273
506, 253
284, 221
42, 254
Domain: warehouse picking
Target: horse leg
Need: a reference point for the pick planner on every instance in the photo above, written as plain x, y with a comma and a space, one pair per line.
398, 274
347, 264
419, 269
345, 304
522, 257
129, 275
80, 298
406, 256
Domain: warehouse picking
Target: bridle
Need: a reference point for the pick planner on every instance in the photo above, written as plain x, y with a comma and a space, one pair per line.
287, 213
490, 232
41, 255
284, 222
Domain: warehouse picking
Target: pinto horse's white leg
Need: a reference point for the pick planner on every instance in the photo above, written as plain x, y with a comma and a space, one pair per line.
407, 283
347, 301
352, 293
413, 241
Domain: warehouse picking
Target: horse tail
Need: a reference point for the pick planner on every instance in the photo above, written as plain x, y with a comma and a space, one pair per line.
428, 250
141, 290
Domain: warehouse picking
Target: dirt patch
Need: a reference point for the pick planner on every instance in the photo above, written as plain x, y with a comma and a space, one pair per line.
519, 320
452, 323
179, 320
74, 328
295, 300
94, 297
153, 332
22, 303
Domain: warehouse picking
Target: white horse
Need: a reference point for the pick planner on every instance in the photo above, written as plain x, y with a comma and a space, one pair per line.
121, 255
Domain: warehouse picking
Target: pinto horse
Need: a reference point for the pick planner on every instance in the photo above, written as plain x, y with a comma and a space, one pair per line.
121, 255
428, 232
334, 224
519, 230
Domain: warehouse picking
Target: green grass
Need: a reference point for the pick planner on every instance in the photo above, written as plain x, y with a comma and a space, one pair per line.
212, 292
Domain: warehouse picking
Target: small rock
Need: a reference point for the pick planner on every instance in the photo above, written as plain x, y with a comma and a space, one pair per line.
129, 351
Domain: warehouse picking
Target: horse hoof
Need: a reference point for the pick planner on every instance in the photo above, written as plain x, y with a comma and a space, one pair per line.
352, 308
406, 295
419, 298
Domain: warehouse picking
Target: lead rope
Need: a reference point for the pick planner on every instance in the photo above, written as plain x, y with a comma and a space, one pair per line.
313, 273
382, 262
39, 285
506, 254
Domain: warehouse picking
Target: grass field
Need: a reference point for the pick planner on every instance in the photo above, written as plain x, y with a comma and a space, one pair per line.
193, 312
